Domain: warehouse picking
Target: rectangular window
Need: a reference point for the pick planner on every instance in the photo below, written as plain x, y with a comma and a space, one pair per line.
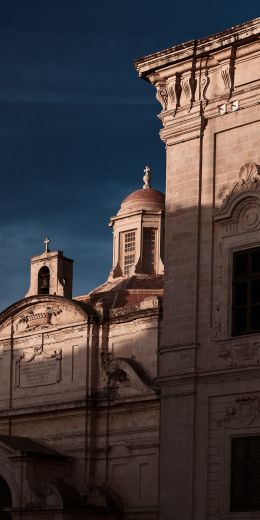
149, 250
245, 474
128, 251
246, 292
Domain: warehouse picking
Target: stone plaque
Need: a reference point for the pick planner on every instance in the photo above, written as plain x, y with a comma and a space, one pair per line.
38, 368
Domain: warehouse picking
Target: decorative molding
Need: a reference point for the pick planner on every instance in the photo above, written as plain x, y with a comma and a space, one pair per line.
239, 354
228, 416
162, 95
127, 371
33, 320
226, 78
249, 218
228, 73
188, 85
204, 84
174, 92
245, 409
38, 368
249, 179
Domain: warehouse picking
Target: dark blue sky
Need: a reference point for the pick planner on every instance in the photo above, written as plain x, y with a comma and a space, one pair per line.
77, 125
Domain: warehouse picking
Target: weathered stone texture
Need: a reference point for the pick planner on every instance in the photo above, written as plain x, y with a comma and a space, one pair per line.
209, 92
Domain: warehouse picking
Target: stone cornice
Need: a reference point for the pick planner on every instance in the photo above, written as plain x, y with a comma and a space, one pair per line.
176, 381
204, 79
135, 213
234, 35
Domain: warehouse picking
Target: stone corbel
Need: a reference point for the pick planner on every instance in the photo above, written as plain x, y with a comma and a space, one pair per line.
174, 92
189, 84
228, 73
204, 84
161, 89
162, 94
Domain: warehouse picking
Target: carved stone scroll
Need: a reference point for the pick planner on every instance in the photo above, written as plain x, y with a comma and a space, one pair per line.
162, 95
248, 179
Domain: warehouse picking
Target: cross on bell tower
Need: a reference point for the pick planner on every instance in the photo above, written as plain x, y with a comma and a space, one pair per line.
46, 243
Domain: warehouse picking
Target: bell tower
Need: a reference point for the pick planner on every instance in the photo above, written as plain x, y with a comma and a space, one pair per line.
51, 273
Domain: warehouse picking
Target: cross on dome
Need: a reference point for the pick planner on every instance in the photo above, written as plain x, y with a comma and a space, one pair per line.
46, 242
147, 178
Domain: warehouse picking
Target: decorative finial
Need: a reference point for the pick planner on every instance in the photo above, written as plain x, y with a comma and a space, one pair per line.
147, 178
46, 242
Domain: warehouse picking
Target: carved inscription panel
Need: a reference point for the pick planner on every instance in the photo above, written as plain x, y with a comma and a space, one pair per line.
38, 368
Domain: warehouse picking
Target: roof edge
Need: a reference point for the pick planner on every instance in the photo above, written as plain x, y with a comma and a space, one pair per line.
236, 33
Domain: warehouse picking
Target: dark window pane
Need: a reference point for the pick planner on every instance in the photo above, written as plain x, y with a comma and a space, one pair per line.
240, 293
246, 292
255, 317
255, 261
241, 263
245, 474
255, 288
240, 320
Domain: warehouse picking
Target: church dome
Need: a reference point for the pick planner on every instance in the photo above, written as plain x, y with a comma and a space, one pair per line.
146, 198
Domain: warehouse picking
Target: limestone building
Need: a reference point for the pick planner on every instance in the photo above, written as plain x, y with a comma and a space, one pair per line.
106, 411
209, 371
79, 400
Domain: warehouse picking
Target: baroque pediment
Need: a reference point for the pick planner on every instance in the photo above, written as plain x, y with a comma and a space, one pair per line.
36, 314
246, 185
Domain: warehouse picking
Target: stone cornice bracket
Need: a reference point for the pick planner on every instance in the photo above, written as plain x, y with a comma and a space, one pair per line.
228, 73
161, 89
174, 92
204, 84
249, 179
192, 79
169, 94
162, 94
188, 85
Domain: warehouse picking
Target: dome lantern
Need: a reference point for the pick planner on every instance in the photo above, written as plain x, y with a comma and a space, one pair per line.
138, 230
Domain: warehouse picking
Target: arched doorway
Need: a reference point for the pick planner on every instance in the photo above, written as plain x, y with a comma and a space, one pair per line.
5, 500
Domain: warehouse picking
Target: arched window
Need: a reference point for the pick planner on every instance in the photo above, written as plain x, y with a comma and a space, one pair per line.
44, 280
5, 500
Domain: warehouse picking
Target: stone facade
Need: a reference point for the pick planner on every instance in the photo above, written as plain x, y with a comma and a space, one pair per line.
94, 390
209, 375
79, 400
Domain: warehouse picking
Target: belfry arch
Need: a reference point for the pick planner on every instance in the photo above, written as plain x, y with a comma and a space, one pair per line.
44, 280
